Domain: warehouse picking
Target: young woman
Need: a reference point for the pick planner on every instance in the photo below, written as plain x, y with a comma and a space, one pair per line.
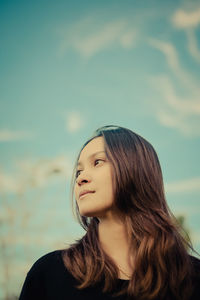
133, 248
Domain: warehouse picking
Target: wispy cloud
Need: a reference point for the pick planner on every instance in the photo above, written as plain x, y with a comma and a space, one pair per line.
192, 44
31, 173
7, 135
74, 121
8, 183
186, 19
88, 37
176, 111
189, 21
172, 59
182, 114
183, 186
43, 171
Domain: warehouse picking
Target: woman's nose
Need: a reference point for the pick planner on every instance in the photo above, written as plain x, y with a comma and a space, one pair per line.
84, 177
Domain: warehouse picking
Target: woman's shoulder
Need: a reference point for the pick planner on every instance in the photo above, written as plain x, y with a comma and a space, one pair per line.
49, 262
195, 260
196, 265
195, 277
46, 277
47, 258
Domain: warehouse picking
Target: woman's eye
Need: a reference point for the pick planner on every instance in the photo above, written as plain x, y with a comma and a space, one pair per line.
78, 173
96, 160
95, 163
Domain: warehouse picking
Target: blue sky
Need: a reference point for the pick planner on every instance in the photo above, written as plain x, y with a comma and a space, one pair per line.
68, 68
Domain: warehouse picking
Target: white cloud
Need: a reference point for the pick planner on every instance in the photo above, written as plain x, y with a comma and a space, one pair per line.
89, 38
183, 186
192, 44
43, 172
74, 121
185, 106
189, 21
32, 173
128, 39
168, 50
172, 121
13, 135
182, 114
172, 58
186, 19
178, 112
8, 183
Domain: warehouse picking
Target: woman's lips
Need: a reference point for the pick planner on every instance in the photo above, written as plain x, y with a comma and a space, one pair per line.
85, 194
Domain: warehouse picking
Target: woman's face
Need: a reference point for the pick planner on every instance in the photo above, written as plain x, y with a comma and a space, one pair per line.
94, 174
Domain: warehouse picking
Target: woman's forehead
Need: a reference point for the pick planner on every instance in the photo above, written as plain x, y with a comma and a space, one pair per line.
92, 148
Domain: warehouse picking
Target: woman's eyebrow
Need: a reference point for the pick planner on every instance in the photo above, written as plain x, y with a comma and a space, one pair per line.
80, 163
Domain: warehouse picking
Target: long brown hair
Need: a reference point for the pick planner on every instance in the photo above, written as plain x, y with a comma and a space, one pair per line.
162, 265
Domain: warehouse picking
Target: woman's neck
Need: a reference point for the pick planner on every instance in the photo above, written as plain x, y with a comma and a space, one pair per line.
115, 241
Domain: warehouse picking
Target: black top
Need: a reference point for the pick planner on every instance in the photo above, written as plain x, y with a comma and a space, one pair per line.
49, 279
